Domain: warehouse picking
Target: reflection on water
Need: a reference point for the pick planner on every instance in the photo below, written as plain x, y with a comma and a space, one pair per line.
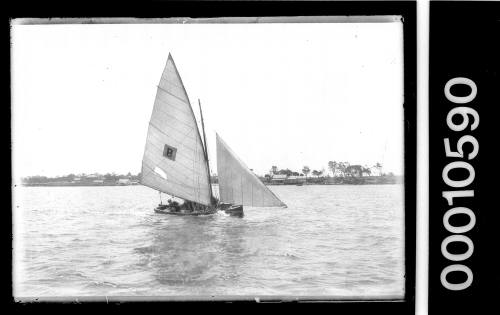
194, 254
331, 240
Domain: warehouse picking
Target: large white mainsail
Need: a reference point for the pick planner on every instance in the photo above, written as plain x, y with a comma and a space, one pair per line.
237, 184
174, 158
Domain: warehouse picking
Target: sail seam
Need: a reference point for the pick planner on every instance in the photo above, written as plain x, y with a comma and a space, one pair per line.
169, 81
178, 161
165, 101
168, 114
180, 99
160, 149
170, 138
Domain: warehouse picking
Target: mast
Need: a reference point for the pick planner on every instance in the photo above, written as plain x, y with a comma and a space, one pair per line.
206, 152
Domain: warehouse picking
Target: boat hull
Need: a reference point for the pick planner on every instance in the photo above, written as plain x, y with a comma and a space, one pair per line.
233, 210
169, 210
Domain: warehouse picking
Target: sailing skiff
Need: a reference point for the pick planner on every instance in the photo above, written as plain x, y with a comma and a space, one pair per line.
176, 163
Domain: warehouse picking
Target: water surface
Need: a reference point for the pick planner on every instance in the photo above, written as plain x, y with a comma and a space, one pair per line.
340, 240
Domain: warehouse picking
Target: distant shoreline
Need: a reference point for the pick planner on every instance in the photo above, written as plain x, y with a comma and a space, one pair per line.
63, 184
366, 180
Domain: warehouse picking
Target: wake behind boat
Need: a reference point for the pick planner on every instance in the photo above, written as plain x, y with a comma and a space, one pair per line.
175, 159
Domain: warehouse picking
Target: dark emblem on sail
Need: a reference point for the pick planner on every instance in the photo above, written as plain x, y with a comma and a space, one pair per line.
169, 152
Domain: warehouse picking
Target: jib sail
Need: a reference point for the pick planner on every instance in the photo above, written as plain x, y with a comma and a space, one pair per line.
238, 184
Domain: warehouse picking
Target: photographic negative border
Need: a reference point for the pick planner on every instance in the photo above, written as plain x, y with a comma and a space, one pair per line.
264, 9
464, 77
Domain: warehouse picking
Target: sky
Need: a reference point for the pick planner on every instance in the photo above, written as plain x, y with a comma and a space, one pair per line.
284, 94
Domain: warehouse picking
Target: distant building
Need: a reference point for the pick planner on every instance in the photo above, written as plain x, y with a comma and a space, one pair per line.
366, 172
123, 181
295, 179
278, 179
375, 171
98, 181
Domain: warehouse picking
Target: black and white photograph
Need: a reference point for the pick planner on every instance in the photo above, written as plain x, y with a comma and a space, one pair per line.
211, 158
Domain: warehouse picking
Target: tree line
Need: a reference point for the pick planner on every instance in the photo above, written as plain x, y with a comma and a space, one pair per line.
108, 177
338, 169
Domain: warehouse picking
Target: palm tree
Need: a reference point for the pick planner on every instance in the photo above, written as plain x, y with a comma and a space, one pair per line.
378, 166
306, 170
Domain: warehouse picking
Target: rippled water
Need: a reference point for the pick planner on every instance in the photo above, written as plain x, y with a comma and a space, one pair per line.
93, 241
